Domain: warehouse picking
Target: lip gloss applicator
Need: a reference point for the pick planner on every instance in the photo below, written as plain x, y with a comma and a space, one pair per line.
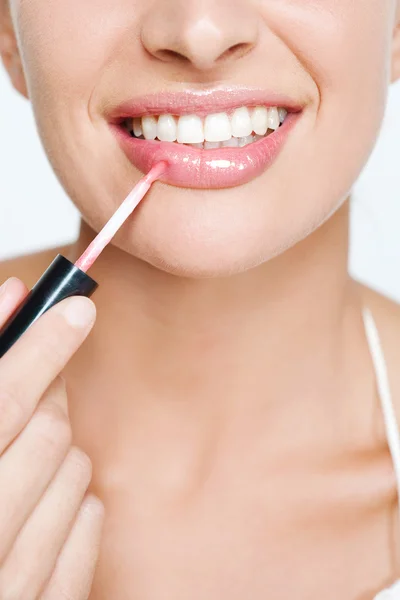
63, 278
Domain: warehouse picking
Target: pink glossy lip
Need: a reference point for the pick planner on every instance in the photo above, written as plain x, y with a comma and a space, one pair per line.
201, 103
196, 168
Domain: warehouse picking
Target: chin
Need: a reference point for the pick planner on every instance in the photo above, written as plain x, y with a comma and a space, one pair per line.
208, 265
203, 253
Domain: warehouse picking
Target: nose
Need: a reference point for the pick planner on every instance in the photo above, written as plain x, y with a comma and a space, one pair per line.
201, 33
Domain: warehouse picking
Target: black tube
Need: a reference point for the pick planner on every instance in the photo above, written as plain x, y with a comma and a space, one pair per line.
61, 280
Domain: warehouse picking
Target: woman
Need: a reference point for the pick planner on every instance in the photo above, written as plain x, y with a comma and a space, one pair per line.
225, 436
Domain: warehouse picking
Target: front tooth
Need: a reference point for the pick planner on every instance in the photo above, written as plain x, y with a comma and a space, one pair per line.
282, 112
149, 126
166, 128
241, 122
273, 118
259, 119
137, 127
217, 128
190, 130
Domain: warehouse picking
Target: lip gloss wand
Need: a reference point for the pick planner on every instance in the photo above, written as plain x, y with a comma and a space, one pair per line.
63, 279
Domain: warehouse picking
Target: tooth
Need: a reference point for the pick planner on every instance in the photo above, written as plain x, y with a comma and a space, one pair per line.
211, 145
217, 128
166, 128
232, 143
259, 119
190, 130
241, 122
282, 112
244, 141
137, 127
257, 137
199, 145
149, 126
273, 118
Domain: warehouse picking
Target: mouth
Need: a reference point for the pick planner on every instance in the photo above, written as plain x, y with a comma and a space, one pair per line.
205, 148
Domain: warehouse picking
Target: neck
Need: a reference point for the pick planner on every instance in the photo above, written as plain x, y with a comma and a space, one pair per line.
215, 344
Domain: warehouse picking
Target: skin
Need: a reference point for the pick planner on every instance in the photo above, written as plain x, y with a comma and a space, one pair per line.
233, 423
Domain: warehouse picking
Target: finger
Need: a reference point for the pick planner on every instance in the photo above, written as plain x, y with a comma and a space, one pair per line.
72, 578
29, 464
37, 358
12, 292
33, 556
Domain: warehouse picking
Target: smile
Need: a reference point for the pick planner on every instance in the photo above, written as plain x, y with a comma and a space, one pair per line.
205, 148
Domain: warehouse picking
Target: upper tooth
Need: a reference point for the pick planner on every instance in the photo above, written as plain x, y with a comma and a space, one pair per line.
259, 119
137, 126
241, 122
149, 125
166, 128
190, 130
273, 118
217, 128
282, 112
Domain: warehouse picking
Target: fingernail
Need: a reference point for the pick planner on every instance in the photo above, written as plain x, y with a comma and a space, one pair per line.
78, 311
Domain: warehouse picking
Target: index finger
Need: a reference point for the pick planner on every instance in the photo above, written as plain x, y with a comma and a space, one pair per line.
36, 359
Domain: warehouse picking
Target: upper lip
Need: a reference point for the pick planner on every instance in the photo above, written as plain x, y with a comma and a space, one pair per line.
201, 103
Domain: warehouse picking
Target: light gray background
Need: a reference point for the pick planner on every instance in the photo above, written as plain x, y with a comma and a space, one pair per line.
36, 214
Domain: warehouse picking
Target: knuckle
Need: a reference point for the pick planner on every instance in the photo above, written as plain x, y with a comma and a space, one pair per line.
50, 349
53, 429
12, 413
54, 339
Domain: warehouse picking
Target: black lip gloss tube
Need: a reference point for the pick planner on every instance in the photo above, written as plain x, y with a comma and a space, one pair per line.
61, 280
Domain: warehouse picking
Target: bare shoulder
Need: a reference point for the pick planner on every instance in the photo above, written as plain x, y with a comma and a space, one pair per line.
386, 313
30, 267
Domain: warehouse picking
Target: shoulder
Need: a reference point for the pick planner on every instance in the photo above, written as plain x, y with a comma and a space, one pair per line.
29, 268
386, 313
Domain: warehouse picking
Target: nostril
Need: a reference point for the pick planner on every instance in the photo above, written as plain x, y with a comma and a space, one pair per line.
237, 50
167, 55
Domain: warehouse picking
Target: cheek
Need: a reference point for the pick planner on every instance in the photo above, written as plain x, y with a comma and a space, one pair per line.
345, 46
65, 46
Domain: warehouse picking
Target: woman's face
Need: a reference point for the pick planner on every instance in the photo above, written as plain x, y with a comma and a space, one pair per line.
330, 58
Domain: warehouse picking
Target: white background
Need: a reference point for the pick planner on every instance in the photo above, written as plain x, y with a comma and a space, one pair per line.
36, 214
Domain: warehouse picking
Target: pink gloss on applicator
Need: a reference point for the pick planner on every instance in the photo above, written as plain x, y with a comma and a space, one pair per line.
119, 217
64, 279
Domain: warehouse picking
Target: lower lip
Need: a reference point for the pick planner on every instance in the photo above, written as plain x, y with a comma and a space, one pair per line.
197, 168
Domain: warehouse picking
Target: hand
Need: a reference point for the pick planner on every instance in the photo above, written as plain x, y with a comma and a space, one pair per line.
50, 529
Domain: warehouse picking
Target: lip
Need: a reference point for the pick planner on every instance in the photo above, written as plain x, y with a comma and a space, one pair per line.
196, 168
201, 103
